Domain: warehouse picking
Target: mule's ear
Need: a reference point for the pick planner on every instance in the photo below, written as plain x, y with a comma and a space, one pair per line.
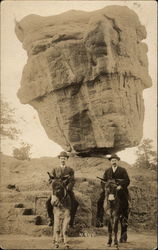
50, 176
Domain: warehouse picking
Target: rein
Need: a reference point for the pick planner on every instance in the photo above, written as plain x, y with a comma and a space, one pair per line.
62, 200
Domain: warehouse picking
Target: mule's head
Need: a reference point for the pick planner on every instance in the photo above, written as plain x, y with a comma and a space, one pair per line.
111, 191
59, 187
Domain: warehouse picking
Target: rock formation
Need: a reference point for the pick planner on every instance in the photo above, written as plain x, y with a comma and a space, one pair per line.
85, 75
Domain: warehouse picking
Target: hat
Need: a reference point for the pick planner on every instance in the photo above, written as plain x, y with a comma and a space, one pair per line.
114, 156
63, 154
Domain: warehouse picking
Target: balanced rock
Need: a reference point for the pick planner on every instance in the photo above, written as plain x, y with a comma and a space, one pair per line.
85, 75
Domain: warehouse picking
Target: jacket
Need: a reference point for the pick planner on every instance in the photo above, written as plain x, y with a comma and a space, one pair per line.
120, 173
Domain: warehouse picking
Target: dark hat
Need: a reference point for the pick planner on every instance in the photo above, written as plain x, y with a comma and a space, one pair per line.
63, 154
114, 156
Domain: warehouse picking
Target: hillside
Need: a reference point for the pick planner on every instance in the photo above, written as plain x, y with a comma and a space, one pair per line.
26, 183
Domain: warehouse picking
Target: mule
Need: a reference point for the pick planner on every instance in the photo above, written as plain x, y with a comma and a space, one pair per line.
61, 203
113, 207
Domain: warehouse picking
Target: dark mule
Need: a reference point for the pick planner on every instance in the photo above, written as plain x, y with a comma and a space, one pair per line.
61, 203
114, 212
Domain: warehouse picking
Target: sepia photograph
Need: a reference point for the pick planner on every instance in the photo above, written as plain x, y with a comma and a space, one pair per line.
78, 157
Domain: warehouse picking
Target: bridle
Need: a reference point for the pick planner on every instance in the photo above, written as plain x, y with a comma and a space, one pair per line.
64, 188
65, 195
111, 196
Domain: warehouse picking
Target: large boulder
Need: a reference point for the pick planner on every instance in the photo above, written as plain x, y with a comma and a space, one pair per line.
85, 75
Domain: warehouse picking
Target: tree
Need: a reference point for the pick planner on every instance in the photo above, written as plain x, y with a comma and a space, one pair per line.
7, 117
22, 153
146, 156
10, 133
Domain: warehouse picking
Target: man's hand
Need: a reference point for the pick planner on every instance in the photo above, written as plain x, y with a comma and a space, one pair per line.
119, 187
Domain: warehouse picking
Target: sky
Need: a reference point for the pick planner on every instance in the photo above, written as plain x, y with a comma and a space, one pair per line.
14, 57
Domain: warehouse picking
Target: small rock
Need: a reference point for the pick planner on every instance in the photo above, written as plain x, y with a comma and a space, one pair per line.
11, 186
38, 220
28, 211
19, 205
17, 189
47, 231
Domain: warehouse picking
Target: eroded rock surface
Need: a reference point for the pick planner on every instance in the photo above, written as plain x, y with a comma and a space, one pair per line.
85, 75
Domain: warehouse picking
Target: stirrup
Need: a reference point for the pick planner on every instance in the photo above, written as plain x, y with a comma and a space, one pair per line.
50, 223
99, 224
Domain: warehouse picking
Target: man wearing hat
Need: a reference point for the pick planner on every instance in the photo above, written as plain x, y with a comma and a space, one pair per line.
114, 172
59, 172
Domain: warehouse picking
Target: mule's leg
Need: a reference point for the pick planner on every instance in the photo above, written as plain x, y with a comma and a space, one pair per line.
65, 228
123, 230
74, 206
57, 233
56, 229
61, 239
116, 221
124, 225
53, 231
124, 220
109, 232
121, 233
53, 235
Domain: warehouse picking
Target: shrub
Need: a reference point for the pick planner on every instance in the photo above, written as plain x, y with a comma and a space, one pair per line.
22, 153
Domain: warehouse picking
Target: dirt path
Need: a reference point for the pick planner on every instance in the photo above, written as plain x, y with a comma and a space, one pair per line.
135, 241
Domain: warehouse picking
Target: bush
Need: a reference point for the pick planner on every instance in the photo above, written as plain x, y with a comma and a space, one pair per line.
22, 153
146, 156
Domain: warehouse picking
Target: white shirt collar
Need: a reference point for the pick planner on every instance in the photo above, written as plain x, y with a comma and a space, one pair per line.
114, 168
62, 166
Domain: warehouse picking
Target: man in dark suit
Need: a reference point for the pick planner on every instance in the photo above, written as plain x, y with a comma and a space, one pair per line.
60, 172
114, 172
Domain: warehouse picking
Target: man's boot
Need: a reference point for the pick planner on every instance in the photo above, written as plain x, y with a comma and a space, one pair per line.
49, 208
99, 222
100, 211
50, 223
73, 211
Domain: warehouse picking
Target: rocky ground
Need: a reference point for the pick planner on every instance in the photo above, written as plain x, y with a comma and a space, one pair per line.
24, 190
136, 241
